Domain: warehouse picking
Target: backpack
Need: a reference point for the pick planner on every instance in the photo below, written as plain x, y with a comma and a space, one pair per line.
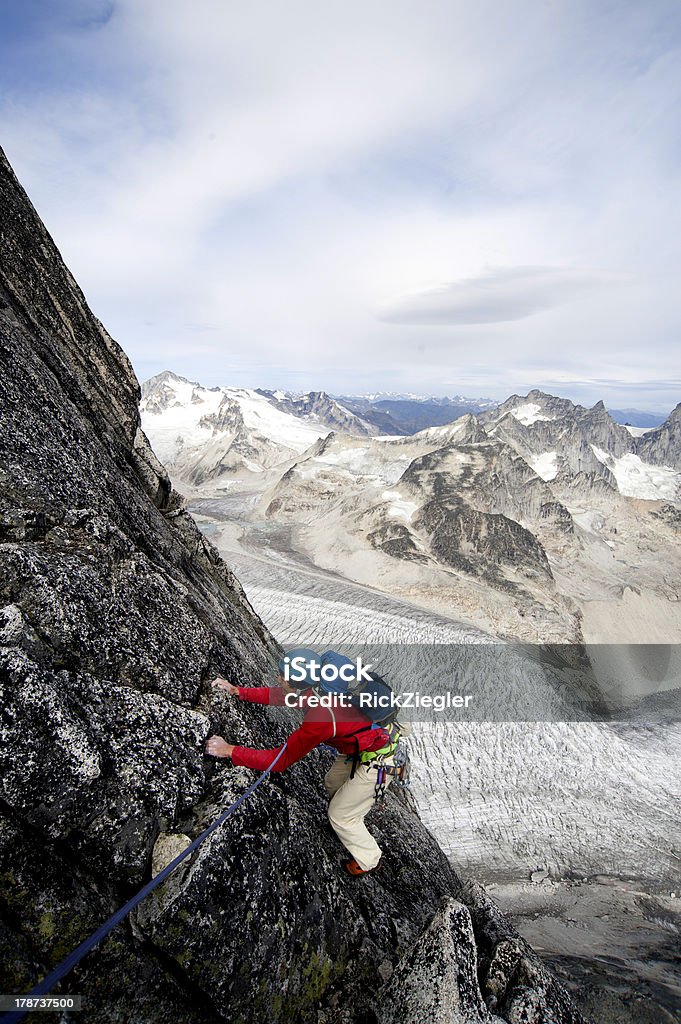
379, 717
381, 708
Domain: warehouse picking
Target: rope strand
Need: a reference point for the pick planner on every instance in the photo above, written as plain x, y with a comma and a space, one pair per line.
81, 951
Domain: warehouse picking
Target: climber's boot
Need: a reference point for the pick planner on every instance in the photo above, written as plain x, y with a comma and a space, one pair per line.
353, 868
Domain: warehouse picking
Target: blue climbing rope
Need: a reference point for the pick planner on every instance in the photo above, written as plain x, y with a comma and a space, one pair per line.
67, 965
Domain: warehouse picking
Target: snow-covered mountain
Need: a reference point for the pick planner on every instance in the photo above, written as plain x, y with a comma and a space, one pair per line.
320, 406
210, 433
580, 447
206, 433
515, 518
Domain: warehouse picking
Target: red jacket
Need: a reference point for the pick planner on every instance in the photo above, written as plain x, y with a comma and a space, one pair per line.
320, 725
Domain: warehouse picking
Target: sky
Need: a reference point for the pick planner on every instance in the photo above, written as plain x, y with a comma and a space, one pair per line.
423, 196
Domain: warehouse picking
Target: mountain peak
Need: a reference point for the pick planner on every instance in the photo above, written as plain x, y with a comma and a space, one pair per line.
164, 377
537, 393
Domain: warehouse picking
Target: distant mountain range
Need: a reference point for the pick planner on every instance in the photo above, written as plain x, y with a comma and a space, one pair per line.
636, 418
407, 414
381, 412
207, 432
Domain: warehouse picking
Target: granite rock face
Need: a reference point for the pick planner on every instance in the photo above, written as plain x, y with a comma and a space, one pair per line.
498, 977
663, 446
516, 985
424, 986
115, 613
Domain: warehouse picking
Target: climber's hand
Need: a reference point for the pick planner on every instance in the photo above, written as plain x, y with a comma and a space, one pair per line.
218, 747
221, 684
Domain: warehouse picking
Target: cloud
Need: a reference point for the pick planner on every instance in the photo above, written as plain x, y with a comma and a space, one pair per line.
495, 296
273, 171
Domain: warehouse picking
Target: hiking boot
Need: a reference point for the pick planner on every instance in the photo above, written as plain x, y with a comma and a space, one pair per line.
353, 868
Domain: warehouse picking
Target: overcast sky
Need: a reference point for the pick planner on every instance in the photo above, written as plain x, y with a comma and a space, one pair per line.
446, 197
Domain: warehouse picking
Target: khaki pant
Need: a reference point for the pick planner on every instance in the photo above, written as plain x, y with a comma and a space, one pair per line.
351, 800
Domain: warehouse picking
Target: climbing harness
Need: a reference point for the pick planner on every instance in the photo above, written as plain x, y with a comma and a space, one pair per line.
400, 769
67, 965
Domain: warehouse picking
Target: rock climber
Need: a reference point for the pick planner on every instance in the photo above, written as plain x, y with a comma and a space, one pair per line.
351, 782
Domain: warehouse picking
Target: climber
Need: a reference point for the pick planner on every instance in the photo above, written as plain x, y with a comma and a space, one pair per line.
351, 782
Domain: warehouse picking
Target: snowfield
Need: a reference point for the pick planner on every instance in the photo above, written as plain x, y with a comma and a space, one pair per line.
529, 413
545, 465
263, 418
399, 506
638, 431
638, 479
178, 426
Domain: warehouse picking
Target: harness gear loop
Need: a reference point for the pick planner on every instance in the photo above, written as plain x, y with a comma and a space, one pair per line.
380, 783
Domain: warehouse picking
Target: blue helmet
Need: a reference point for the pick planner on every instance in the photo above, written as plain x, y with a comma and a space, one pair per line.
298, 675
